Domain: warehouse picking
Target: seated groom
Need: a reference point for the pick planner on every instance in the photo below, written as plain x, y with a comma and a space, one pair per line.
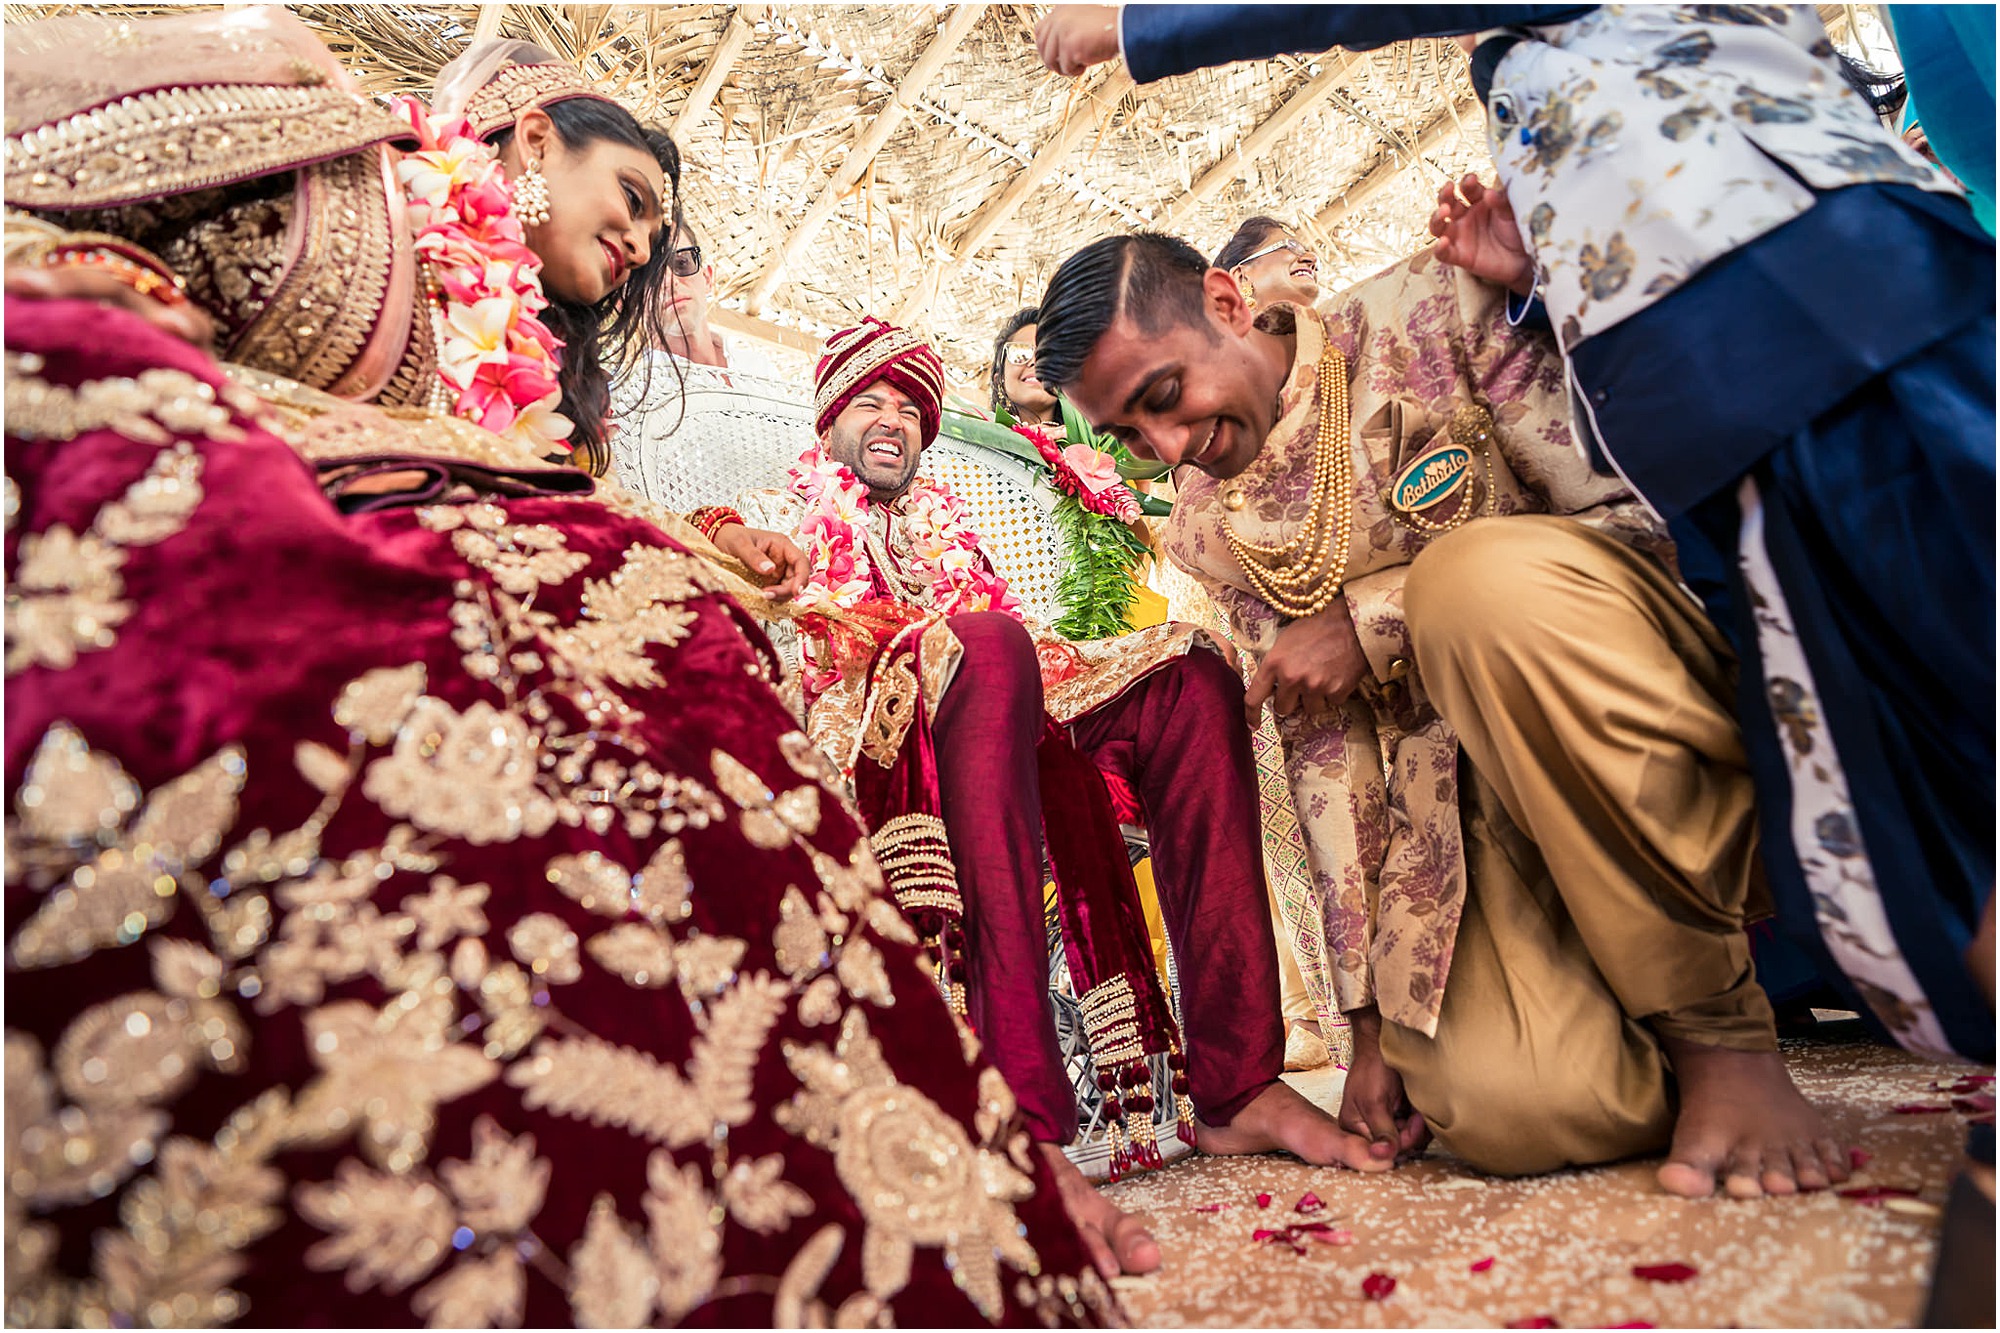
1545, 965
970, 735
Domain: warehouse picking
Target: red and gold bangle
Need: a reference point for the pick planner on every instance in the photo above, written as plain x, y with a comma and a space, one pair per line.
711, 519
132, 269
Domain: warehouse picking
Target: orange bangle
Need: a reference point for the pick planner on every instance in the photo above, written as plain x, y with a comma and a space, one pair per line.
134, 272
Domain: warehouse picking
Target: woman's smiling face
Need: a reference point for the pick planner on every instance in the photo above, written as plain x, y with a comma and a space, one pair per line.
607, 208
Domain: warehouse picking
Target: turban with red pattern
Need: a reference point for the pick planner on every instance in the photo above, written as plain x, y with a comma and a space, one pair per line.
872, 350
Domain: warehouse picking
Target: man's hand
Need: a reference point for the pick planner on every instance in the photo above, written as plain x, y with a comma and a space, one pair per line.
768, 553
77, 283
1372, 1103
1477, 232
1314, 666
1072, 38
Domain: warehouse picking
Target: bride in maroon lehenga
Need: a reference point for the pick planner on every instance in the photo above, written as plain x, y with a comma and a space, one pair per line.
420, 902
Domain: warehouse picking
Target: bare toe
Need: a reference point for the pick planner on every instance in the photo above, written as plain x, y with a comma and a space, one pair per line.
1806, 1168
1743, 1177
1690, 1180
1833, 1160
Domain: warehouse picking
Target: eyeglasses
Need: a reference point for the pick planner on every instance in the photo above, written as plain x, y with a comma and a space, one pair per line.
1299, 248
685, 262
1020, 354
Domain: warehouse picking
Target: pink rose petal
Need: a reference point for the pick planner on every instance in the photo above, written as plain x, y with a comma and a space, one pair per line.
1308, 1203
1875, 1194
1377, 1286
1664, 1272
1481, 1265
1634, 1323
1332, 1236
1263, 1201
1535, 1321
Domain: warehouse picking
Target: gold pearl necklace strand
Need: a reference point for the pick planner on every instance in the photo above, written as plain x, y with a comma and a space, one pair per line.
1285, 576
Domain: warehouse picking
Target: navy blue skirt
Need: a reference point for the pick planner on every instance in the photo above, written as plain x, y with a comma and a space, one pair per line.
1852, 568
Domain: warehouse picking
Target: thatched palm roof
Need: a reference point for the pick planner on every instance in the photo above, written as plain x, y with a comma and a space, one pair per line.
917, 162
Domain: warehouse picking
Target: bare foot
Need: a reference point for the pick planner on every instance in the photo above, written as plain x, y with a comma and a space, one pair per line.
1743, 1122
1278, 1119
1116, 1241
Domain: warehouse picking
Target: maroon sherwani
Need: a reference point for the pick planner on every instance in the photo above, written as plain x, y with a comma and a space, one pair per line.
1164, 721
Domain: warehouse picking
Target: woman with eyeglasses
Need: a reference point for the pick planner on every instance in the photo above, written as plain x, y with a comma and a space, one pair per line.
1270, 264
1015, 387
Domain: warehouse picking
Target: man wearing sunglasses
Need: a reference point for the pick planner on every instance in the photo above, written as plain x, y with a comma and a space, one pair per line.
688, 333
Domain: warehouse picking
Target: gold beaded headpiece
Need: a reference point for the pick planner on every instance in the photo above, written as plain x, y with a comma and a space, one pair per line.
494, 82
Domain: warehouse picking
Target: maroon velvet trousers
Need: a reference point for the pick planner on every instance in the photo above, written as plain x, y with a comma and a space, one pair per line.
1177, 737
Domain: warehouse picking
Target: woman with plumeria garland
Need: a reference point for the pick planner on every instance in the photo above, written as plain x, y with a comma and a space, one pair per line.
421, 904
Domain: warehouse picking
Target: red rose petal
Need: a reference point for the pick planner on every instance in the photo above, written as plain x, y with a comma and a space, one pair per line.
1535, 1321
1266, 1235
1874, 1194
1918, 1108
1308, 1203
1481, 1265
1636, 1323
1664, 1272
1979, 1105
1263, 1201
1858, 1158
1377, 1286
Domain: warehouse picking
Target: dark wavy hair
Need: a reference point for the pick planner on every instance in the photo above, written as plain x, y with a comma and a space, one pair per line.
1251, 236
602, 342
1017, 321
1151, 276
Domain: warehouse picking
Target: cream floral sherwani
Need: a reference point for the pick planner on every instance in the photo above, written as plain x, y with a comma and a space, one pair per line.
1375, 782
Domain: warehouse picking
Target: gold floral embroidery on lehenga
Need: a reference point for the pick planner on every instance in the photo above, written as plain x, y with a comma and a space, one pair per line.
468, 1006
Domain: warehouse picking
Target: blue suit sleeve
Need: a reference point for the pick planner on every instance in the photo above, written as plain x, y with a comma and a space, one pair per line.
1161, 40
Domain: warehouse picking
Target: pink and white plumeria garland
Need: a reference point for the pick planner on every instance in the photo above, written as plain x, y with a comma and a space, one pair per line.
1089, 475
496, 359
945, 549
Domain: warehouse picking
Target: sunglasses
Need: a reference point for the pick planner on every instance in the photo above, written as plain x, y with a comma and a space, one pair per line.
1299, 248
1020, 354
685, 262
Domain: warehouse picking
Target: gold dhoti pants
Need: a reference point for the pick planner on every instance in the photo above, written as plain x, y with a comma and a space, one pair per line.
1611, 846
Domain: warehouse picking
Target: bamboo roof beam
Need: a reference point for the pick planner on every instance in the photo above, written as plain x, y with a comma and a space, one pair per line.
999, 209
1384, 174
749, 326
702, 96
1259, 141
488, 27
955, 30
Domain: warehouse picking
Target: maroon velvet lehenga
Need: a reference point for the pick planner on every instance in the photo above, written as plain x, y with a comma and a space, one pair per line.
423, 906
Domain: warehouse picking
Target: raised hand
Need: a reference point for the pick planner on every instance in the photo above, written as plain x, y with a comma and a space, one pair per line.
1477, 232
1072, 38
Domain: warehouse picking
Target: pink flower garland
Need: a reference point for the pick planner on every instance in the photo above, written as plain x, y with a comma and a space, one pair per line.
946, 548
497, 361
1090, 475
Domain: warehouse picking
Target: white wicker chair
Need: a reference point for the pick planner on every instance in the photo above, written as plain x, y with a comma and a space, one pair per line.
699, 435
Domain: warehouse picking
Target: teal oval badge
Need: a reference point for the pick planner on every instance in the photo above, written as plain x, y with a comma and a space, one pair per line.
1431, 479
